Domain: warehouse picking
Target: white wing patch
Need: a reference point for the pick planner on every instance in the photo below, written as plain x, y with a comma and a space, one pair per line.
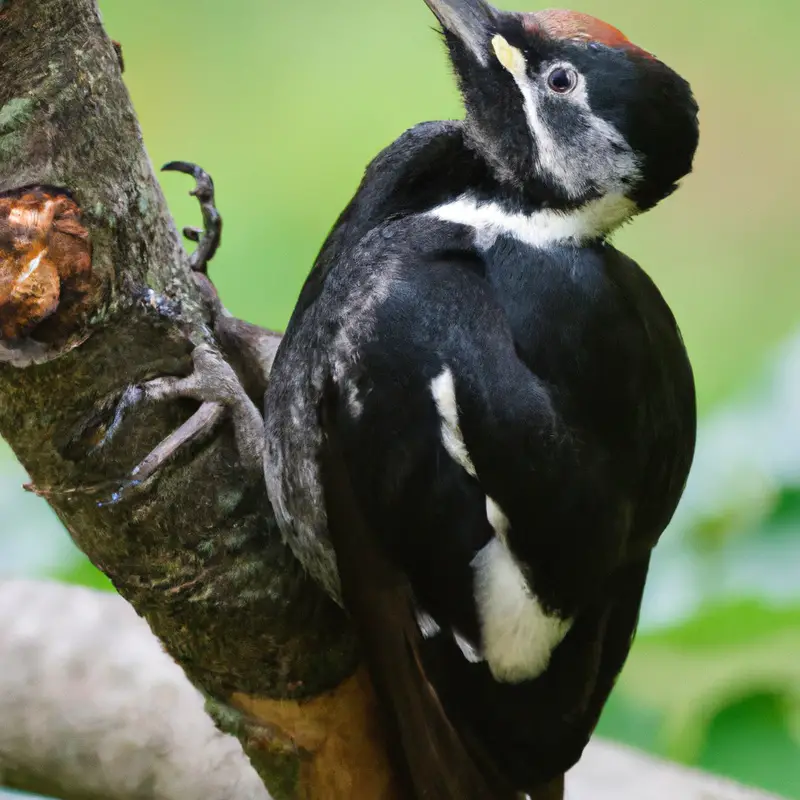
429, 628
468, 650
444, 395
518, 635
497, 519
427, 625
542, 229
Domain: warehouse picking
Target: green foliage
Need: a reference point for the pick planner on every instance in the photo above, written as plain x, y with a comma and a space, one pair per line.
693, 672
751, 741
786, 508
721, 691
738, 624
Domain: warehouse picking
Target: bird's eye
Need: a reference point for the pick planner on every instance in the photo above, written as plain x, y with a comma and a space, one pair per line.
562, 80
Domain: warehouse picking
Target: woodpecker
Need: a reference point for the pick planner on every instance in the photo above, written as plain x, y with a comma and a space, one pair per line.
497, 398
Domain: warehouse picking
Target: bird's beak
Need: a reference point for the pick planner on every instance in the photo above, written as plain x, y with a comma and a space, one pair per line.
471, 21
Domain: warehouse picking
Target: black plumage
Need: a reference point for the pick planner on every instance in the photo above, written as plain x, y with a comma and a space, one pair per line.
490, 396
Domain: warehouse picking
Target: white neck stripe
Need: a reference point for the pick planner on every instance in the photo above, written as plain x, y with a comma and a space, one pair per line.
547, 227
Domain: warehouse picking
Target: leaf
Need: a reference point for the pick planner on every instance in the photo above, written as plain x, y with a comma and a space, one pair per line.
690, 672
786, 510
750, 741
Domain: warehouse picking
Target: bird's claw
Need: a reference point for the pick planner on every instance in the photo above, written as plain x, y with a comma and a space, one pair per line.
121, 493
193, 234
208, 239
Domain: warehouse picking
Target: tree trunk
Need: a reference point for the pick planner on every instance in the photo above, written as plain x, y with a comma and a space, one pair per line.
96, 295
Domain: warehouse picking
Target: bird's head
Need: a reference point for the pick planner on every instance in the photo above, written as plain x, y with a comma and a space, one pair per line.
564, 105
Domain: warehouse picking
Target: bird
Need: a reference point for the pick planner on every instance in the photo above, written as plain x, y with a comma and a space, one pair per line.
482, 415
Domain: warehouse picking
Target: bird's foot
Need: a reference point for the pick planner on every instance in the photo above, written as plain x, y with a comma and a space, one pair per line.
215, 385
214, 382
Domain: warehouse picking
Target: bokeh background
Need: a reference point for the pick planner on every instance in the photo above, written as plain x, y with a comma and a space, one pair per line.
285, 102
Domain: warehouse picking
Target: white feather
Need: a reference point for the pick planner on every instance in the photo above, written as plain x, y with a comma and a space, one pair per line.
427, 625
518, 635
444, 395
468, 650
497, 519
540, 229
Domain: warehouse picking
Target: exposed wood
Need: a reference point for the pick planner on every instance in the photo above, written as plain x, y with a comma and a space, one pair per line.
45, 254
342, 746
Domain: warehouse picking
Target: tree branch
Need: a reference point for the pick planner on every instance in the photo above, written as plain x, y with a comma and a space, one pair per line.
92, 707
613, 772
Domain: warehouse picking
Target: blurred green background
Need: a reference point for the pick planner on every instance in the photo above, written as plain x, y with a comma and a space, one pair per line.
285, 103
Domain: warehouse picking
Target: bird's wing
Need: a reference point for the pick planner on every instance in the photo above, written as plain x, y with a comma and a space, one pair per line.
445, 437
428, 752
